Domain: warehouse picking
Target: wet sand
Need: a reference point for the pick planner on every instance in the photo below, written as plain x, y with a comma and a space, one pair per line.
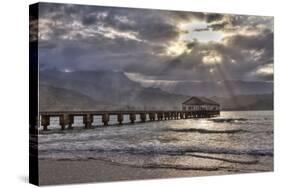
68, 172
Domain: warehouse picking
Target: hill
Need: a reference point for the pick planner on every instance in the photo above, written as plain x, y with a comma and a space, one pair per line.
111, 90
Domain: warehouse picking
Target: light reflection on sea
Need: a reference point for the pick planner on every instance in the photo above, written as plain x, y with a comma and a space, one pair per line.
235, 141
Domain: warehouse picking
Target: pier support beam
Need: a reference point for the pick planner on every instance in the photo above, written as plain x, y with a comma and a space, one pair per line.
152, 116
132, 117
162, 116
143, 117
159, 116
88, 120
71, 121
166, 116
45, 122
192, 115
120, 118
105, 118
175, 115
64, 120
181, 115
169, 115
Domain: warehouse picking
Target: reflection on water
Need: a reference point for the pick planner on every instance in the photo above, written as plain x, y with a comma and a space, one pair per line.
235, 141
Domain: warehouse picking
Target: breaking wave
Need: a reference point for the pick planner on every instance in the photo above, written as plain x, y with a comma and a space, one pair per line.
160, 150
228, 120
208, 131
225, 159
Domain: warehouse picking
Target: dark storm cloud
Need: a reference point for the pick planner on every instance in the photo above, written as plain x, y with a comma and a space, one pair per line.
158, 31
262, 41
232, 23
110, 18
149, 25
204, 29
218, 26
135, 40
187, 16
96, 53
213, 17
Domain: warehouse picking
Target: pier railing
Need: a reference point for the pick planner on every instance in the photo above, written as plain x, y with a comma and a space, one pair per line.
66, 118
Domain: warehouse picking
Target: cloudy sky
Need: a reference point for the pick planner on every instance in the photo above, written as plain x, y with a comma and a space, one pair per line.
156, 45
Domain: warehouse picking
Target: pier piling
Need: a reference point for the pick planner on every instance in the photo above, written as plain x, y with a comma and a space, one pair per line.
120, 118
45, 122
105, 118
143, 117
132, 117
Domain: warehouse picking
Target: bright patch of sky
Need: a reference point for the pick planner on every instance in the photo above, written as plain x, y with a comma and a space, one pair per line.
265, 69
200, 31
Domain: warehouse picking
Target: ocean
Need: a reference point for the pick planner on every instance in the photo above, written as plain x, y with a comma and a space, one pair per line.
236, 141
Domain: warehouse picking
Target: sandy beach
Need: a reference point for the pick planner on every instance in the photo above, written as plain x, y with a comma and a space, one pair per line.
66, 171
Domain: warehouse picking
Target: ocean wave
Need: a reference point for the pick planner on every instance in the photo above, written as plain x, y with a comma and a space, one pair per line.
249, 162
150, 165
181, 167
208, 131
228, 120
195, 168
160, 150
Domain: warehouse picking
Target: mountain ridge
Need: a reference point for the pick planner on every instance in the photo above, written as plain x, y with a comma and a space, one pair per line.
114, 90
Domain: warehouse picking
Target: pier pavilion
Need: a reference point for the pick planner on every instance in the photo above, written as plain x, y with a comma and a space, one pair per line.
200, 104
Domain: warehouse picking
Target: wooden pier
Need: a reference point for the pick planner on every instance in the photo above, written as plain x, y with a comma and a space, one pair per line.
66, 118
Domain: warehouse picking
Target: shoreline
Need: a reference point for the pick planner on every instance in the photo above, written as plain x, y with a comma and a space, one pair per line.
54, 172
